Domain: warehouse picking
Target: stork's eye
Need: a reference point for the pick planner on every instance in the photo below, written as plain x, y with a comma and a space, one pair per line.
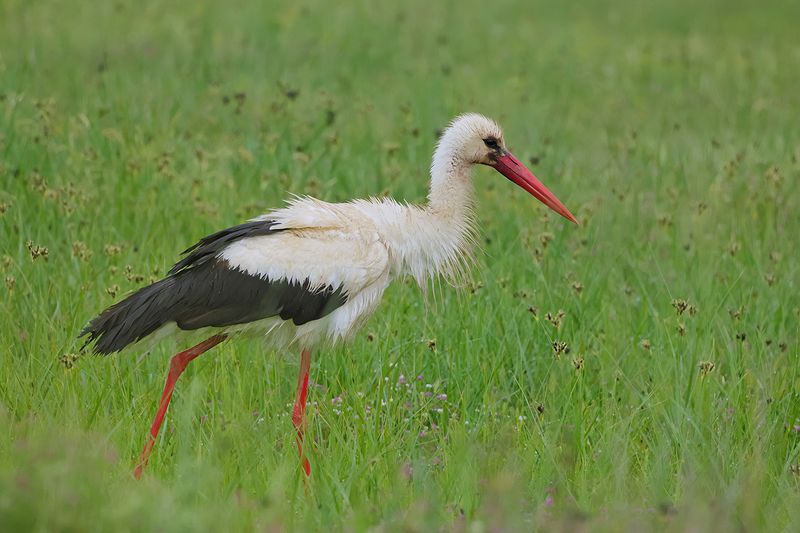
491, 143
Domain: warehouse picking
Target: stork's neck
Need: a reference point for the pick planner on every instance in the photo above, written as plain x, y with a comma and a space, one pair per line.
435, 238
450, 196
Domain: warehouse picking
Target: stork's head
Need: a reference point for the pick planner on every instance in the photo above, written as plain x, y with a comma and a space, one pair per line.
475, 139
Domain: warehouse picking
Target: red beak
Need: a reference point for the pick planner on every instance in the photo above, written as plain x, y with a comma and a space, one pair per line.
510, 167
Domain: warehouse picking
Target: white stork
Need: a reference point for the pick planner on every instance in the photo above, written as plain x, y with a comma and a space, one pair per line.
313, 272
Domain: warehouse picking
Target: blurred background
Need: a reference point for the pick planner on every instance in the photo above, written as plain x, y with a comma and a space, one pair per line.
670, 128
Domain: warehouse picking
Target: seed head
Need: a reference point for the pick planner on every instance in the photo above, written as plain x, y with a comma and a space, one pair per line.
68, 360
555, 319
706, 367
81, 251
112, 249
37, 251
560, 347
682, 306
131, 276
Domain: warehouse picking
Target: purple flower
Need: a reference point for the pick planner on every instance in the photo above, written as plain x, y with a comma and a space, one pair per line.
442, 397
548, 501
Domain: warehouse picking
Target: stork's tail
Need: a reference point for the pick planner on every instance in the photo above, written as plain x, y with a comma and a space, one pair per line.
130, 320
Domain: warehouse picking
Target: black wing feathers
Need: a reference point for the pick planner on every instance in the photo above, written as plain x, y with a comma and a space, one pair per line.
209, 247
203, 290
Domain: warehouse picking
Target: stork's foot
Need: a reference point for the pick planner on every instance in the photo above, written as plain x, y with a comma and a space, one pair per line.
298, 414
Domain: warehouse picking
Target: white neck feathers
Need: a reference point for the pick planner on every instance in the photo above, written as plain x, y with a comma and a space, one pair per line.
436, 239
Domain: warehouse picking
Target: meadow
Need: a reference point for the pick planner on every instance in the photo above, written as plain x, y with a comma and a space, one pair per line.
638, 372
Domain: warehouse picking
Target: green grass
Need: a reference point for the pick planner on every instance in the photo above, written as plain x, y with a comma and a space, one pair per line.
671, 129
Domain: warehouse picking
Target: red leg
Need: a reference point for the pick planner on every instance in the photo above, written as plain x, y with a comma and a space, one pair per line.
298, 414
176, 367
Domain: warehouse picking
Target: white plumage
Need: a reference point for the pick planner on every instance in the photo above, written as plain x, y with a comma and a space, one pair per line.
315, 271
362, 245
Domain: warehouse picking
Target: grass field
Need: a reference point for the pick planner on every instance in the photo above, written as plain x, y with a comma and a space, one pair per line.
671, 129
